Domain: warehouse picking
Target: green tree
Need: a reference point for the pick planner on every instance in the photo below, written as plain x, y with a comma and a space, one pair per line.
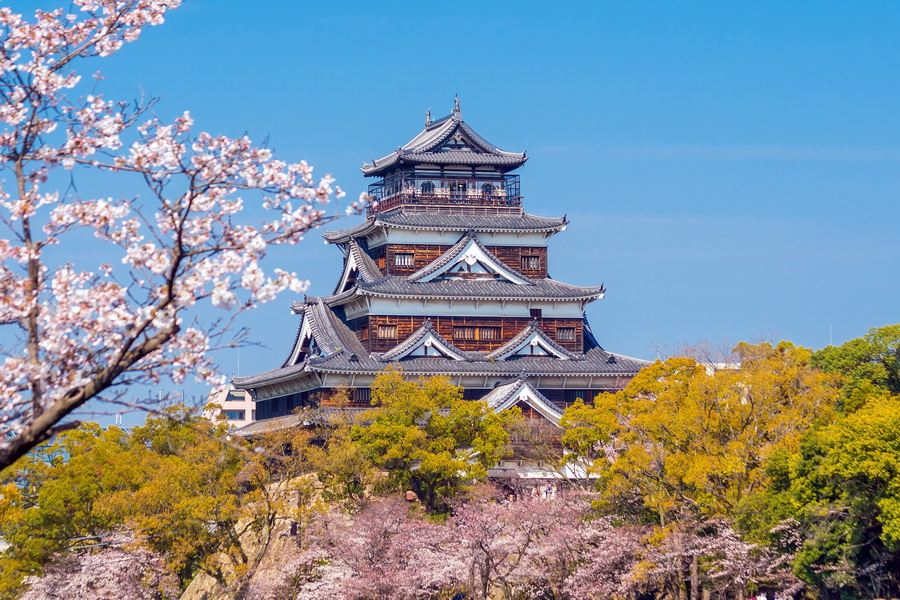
871, 360
841, 492
428, 438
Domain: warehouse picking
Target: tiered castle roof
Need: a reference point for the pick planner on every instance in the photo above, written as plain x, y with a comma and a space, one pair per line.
440, 258
448, 141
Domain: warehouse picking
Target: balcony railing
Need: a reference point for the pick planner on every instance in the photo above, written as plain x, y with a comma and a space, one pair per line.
448, 192
446, 199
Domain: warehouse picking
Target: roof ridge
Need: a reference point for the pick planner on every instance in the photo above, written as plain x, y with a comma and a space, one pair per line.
365, 262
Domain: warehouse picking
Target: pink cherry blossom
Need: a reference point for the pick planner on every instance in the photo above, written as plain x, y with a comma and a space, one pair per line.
174, 263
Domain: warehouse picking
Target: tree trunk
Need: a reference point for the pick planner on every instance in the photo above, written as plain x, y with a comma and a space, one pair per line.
706, 594
695, 578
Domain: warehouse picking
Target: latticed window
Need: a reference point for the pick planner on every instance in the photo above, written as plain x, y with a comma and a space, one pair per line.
387, 331
476, 333
531, 262
565, 334
404, 260
463, 333
488, 333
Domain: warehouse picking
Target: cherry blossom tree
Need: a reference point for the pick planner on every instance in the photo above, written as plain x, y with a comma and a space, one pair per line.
74, 330
113, 572
387, 550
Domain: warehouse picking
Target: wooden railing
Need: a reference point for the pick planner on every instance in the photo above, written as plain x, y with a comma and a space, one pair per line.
445, 198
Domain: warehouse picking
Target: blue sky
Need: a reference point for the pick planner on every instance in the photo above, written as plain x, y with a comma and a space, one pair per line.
730, 169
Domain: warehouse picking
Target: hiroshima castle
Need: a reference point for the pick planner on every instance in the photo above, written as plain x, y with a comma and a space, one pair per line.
446, 276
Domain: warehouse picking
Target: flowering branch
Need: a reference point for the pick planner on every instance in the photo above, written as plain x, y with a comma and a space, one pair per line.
72, 331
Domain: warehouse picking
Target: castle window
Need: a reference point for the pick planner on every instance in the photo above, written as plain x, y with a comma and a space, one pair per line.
536, 313
531, 262
476, 333
387, 331
489, 333
565, 334
404, 260
463, 333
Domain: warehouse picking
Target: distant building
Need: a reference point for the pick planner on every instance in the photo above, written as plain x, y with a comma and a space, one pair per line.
447, 276
237, 406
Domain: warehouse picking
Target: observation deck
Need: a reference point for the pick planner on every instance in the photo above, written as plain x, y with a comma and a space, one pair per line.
495, 193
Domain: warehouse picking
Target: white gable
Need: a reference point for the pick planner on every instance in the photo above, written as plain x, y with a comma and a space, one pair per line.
429, 344
533, 345
350, 274
506, 396
305, 342
473, 261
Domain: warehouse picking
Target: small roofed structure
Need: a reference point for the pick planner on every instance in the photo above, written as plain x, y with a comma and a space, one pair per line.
523, 394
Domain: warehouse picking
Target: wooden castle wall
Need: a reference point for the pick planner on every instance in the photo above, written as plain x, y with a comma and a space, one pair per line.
424, 254
366, 329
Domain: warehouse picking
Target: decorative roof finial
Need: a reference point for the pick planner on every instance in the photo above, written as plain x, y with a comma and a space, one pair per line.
428, 117
456, 112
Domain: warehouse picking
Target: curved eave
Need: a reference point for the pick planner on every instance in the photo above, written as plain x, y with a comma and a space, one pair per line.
383, 221
432, 137
351, 294
343, 236
271, 377
486, 373
501, 163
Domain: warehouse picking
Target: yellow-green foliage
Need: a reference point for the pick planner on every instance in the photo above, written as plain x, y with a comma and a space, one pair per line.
172, 481
425, 435
679, 439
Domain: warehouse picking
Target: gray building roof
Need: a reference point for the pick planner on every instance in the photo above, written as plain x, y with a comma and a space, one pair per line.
400, 219
331, 335
368, 270
426, 148
595, 363
394, 286
345, 354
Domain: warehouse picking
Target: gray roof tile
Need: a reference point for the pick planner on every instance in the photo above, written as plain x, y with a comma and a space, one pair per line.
421, 149
399, 219
401, 287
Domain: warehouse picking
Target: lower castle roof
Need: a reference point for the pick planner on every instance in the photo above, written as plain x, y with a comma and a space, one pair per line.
395, 286
345, 355
420, 221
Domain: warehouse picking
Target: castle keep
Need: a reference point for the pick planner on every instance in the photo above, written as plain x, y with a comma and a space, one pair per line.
447, 276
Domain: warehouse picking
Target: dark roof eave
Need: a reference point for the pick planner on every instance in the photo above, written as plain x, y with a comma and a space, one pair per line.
336, 301
494, 373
